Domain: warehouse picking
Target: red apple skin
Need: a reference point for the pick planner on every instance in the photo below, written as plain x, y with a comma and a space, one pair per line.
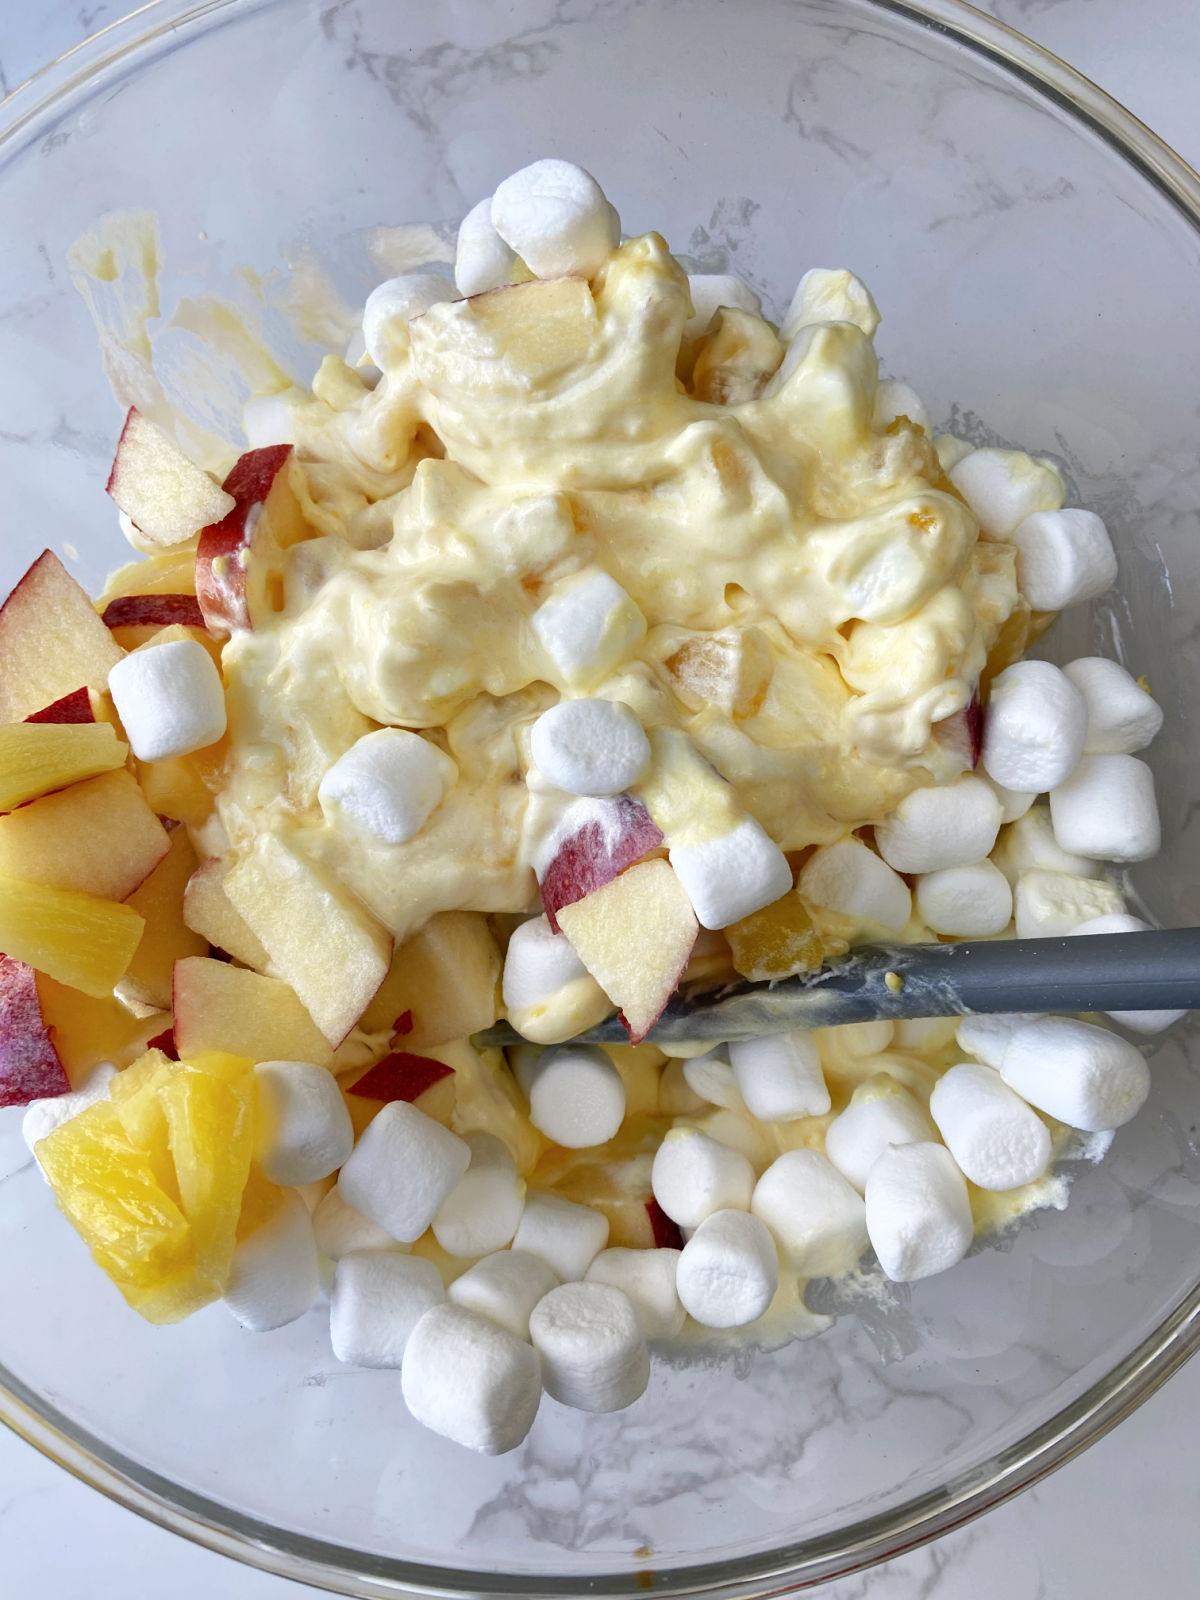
221, 553
585, 862
136, 610
667, 1234
400, 1076
164, 1041
403, 1025
131, 419
963, 732
29, 1064
73, 707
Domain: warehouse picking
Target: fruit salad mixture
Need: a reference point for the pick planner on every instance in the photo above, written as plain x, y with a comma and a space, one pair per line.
580, 633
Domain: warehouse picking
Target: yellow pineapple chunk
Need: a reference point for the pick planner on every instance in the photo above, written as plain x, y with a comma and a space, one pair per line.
36, 757
167, 572
210, 1125
86, 1030
78, 939
135, 1096
777, 941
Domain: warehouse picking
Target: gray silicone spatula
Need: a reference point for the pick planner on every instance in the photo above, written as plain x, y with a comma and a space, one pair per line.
1151, 971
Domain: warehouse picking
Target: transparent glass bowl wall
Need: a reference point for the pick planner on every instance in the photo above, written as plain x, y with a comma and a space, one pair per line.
1036, 284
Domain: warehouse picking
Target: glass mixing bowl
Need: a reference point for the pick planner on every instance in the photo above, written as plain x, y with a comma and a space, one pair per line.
1035, 253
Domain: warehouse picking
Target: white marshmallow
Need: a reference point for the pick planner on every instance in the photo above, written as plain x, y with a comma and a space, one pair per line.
881, 1113
729, 1270
1063, 558
567, 1236
267, 418
557, 219
850, 878
895, 399
43, 1116
471, 1381
712, 290
169, 698
537, 964
1107, 808
1083, 1075
918, 1212
831, 294
950, 451
302, 1129
1014, 803
399, 300
1139, 1021
997, 1141
402, 1168
587, 626
577, 1097
1030, 842
815, 1215
482, 260
1122, 717
591, 1347
780, 1076
986, 1035
712, 1079
1003, 487
1047, 904
340, 1229
589, 747
481, 1212
647, 1279
729, 877
378, 1298
389, 782
693, 1176
1034, 727
504, 1288
947, 825
969, 902
274, 1278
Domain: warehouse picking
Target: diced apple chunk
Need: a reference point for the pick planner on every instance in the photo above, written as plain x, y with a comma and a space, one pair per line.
51, 641
30, 1068
99, 837
209, 911
167, 496
224, 1008
233, 591
38, 757
176, 787
167, 939
167, 572
610, 836
78, 939
445, 977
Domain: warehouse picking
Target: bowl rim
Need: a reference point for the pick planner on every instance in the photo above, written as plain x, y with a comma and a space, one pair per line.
1105, 1402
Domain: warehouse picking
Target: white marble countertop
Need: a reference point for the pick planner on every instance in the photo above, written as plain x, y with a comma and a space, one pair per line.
1117, 1522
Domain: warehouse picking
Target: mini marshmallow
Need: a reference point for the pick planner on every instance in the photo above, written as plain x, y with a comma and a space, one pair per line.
1034, 727
482, 260
267, 418
169, 698
402, 1168
830, 294
1083, 1075
577, 1097
1122, 717
1047, 904
918, 1212
997, 1141
1003, 487
1063, 558
728, 1271
591, 1347
1107, 808
712, 290
470, 1381
587, 626
565, 1235
42, 1117
969, 902
537, 964
895, 399
389, 782
947, 825
815, 1215
986, 1036
647, 1279
850, 878
302, 1129
504, 1288
780, 1077
378, 1298
1014, 803
555, 216
274, 1277
733, 875
589, 747
481, 1212
1138, 1021
399, 300
340, 1229
1030, 842
711, 1078
693, 1176
881, 1113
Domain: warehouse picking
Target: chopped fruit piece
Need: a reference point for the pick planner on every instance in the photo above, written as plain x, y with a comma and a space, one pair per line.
614, 1180
158, 610
99, 837
265, 513
167, 497
219, 1007
731, 669
167, 572
427, 1084
403, 1024
167, 939
210, 1126
635, 936
612, 835
667, 1234
73, 707
135, 1095
776, 941
79, 939
86, 1029
164, 1041
208, 910
29, 1065
962, 733
36, 757
51, 641
444, 978
177, 787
